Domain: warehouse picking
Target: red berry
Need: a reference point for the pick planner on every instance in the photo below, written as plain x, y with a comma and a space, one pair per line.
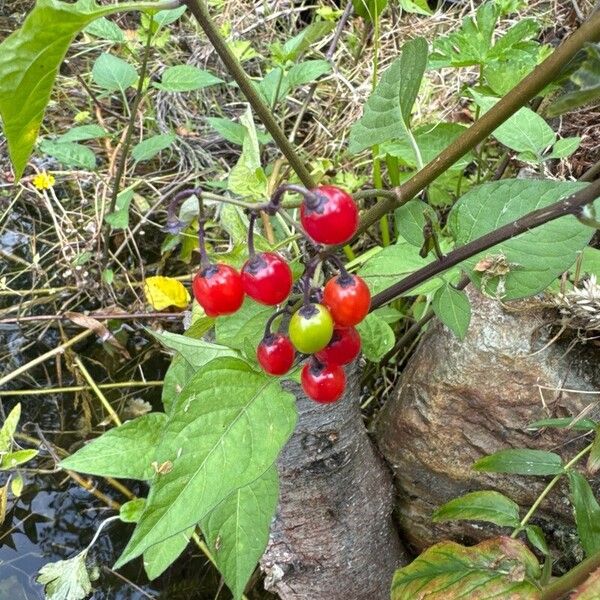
343, 348
321, 383
275, 354
267, 278
348, 299
330, 219
218, 289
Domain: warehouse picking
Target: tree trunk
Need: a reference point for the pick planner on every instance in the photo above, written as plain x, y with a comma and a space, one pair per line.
333, 537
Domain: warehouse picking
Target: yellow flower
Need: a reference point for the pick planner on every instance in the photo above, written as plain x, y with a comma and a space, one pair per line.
43, 181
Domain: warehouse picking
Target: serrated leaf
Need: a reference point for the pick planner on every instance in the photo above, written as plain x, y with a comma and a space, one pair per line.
66, 579
9, 427
113, 74
126, 452
377, 337
557, 244
69, 154
589, 589
14, 459
521, 462
163, 292
570, 422
387, 112
29, 61
226, 429
158, 558
525, 131
497, 568
186, 78
453, 309
247, 178
149, 148
486, 505
119, 219
307, 72
587, 512
234, 132
248, 323
237, 530
131, 511
82, 133
106, 30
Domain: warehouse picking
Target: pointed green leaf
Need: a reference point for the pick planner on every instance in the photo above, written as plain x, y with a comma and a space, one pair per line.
521, 462
453, 308
536, 538
113, 74
186, 78
82, 133
119, 219
131, 511
557, 244
486, 505
587, 512
307, 72
593, 462
237, 531
569, 422
564, 147
234, 132
369, 9
226, 429
377, 337
106, 30
69, 154
14, 459
9, 427
303, 41
246, 324
150, 147
158, 558
387, 112
497, 568
127, 451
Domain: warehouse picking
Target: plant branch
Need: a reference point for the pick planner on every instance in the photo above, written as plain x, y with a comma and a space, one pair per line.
568, 206
527, 89
200, 11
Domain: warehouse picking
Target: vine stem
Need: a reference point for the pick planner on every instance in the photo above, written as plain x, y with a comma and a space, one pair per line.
547, 490
568, 206
128, 137
200, 11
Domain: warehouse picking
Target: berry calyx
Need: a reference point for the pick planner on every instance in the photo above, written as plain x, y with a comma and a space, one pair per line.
267, 278
343, 347
218, 289
348, 299
323, 383
329, 215
311, 328
275, 354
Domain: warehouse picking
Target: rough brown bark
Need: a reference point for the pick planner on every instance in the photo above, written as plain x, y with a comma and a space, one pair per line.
333, 537
458, 401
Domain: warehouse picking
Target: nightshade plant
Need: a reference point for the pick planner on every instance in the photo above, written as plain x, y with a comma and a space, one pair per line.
209, 459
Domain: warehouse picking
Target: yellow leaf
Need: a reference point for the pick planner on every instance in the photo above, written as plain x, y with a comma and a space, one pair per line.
162, 292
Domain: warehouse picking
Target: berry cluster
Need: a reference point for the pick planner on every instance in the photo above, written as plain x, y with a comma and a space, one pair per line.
322, 328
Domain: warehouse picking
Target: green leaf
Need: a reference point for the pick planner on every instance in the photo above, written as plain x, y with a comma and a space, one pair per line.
521, 462
14, 459
486, 207
387, 112
377, 337
488, 506
246, 326
303, 41
307, 72
564, 147
196, 352
82, 133
227, 428
150, 147
237, 530
247, 177
525, 131
235, 132
180, 371
274, 86
410, 220
119, 219
593, 462
113, 74
453, 309
570, 422
9, 427
29, 61
166, 17
369, 10
126, 451
584, 85
587, 512
186, 78
536, 538
419, 7
131, 511
69, 154
106, 30
496, 568
66, 579
158, 558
